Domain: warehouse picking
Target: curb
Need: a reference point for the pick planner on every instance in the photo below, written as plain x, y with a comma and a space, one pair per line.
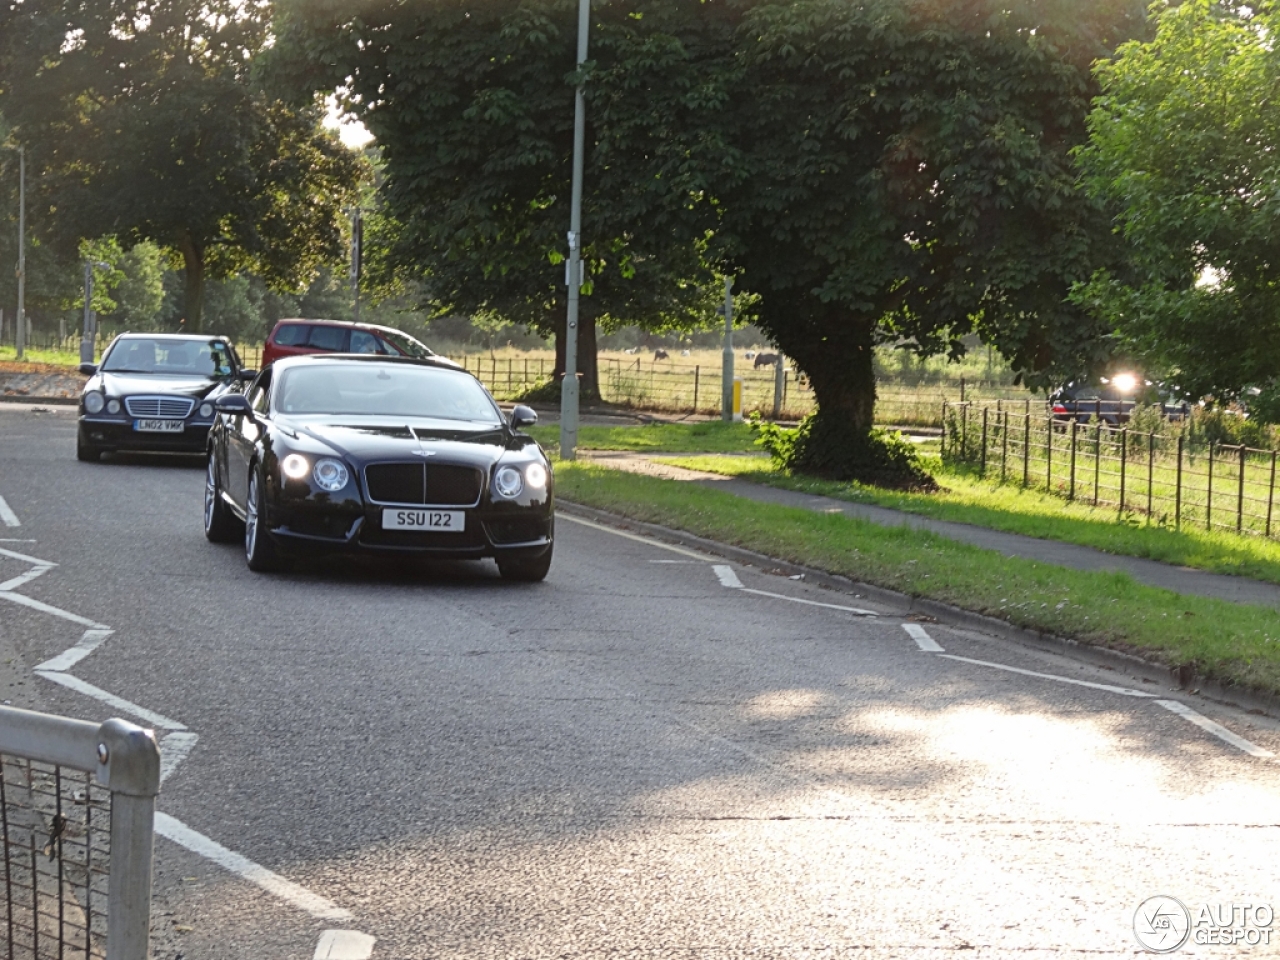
1177, 678
41, 401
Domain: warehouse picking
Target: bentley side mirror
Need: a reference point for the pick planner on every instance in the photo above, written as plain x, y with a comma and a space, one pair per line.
88, 369
234, 403
522, 416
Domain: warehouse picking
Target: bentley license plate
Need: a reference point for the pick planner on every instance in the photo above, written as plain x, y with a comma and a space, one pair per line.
159, 426
438, 520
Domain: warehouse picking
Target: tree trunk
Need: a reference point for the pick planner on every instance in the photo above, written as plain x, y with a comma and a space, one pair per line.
193, 285
588, 362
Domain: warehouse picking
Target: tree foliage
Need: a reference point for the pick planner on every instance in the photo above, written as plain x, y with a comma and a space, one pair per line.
144, 122
1183, 143
886, 171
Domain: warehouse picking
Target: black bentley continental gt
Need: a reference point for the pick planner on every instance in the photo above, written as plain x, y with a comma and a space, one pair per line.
155, 392
333, 453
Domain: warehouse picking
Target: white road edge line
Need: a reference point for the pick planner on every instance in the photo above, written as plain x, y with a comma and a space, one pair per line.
1219, 731
811, 603
727, 577
633, 536
110, 699
27, 577
1123, 691
23, 557
273, 883
25, 601
175, 748
92, 639
922, 638
345, 945
7, 515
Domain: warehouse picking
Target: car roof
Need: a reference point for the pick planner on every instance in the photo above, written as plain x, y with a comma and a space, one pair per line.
353, 325
188, 337
314, 359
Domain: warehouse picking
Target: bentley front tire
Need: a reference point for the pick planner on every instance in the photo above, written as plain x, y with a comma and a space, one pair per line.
220, 524
526, 571
260, 551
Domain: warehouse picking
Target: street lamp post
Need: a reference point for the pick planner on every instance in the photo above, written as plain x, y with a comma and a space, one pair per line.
86, 339
357, 253
569, 388
726, 376
20, 340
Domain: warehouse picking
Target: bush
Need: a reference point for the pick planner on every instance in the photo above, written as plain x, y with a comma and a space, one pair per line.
837, 451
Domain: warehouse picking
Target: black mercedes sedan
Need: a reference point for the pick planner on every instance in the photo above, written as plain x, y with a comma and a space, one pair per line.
334, 452
155, 392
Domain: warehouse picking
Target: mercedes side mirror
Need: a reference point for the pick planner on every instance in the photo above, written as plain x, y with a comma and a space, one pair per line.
522, 416
244, 376
88, 369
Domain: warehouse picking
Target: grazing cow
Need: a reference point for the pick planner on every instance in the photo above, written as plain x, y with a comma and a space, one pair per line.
631, 350
660, 354
684, 353
748, 355
765, 360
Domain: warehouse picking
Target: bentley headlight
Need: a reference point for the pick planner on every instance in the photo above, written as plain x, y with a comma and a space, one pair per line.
507, 483
93, 402
113, 406
294, 466
536, 475
330, 475
206, 410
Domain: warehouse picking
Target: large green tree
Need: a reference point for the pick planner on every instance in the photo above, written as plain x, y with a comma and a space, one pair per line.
1183, 143
143, 121
887, 170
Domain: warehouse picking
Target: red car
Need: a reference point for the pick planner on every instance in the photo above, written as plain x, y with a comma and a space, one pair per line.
293, 338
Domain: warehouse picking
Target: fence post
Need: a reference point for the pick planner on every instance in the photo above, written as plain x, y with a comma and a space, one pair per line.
779, 384
510, 366
1151, 469
132, 762
526, 371
1177, 488
1124, 461
964, 431
983, 470
1071, 489
1271, 491
1208, 500
1097, 459
962, 389
697, 375
1026, 445
1240, 492
1048, 456
942, 441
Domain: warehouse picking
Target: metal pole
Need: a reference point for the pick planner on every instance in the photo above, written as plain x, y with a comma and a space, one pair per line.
569, 388
86, 339
357, 258
726, 375
20, 340
1240, 490
779, 379
1071, 492
1177, 488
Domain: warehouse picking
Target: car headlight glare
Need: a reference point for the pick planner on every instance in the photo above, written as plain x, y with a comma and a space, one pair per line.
330, 475
536, 475
93, 402
113, 406
294, 466
206, 410
507, 483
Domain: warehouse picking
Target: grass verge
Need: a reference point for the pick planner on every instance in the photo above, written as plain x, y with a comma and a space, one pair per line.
1230, 643
968, 499
700, 436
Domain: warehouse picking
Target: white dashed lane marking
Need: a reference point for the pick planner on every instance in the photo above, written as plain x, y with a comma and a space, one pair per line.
727, 577
7, 516
1109, 688
344, 945
1219, 731
922, 638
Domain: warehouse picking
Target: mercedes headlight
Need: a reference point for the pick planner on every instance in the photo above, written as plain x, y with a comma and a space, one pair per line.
330, 475
94, 402
536, 475
294, 466
206, 410
507, 483
113, 406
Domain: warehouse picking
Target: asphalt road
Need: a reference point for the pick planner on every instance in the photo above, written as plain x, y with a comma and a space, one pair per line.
639, 757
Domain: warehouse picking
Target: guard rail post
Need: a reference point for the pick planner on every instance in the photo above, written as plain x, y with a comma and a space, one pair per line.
1177, 487
1208, 499
1240, 492
1124, 461
1071, 490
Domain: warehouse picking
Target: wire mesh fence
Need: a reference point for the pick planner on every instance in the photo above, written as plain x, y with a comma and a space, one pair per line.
1161, 476
77, 806
57, 855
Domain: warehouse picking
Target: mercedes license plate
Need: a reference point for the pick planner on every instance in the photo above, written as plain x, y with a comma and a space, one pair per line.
438, 520
159, 426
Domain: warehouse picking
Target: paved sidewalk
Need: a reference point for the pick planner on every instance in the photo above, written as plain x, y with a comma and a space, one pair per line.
1178, 579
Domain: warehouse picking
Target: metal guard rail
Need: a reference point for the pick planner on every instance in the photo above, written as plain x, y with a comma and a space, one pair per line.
54, 772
